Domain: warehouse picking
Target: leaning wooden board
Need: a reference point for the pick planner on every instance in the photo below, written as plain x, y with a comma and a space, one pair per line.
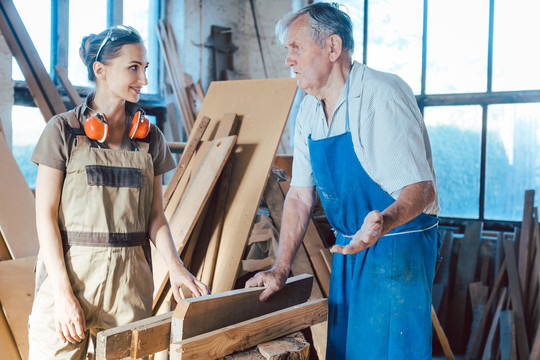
263, 107
17, 207
16, 296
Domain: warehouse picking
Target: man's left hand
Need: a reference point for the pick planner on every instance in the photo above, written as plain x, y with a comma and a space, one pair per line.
368, 235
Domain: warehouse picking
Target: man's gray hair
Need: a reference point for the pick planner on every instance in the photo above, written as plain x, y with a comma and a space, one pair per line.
325, 20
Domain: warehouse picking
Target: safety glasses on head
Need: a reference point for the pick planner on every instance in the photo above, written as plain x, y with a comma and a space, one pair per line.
116, 32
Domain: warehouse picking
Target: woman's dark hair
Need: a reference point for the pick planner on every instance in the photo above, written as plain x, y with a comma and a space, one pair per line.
91, 44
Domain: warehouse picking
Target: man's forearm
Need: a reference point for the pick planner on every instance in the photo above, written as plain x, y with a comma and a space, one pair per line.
412, 200
297, 210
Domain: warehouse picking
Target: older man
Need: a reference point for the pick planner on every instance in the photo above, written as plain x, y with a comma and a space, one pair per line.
361, 141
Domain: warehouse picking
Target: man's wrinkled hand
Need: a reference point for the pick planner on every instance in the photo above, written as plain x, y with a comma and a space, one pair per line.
368, 235
273, 280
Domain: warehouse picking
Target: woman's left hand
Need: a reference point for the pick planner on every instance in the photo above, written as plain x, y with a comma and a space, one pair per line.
179, 276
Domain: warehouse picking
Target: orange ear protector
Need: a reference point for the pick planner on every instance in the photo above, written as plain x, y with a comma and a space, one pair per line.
97, 127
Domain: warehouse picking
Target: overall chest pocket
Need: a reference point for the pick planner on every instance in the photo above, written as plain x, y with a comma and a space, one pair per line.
113, 176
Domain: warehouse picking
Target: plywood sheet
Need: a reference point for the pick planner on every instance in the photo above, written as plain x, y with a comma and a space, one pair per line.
16, 296
263, 107
17, 207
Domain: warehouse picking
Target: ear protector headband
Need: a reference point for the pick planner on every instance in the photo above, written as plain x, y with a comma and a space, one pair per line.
96, 127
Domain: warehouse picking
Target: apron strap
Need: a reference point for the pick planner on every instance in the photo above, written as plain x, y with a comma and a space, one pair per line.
393, 234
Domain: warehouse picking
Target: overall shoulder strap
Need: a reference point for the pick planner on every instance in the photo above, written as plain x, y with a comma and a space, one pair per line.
75, 128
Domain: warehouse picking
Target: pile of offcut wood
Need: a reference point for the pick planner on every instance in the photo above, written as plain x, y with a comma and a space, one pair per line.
487, 287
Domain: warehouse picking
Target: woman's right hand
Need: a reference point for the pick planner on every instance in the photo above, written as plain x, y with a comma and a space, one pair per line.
69, 318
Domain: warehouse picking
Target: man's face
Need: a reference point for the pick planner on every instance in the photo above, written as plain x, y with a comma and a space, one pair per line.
308, 61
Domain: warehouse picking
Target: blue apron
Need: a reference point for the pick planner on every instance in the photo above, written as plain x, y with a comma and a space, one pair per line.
380, 298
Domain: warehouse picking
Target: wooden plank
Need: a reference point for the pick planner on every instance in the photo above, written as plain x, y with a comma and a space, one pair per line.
533, 288
524, 259
466, 267
37, 79
17, 213
189, 151
116, 343
217, 224
180, 73
478, 314
507, 336
478, 294
7, 343
165, 47
263, 106
480, 330
193, 202
441, 335
241, 336
172, 118
196, 316
16, 296
150, 338
327, 257
71, 92
517, 300
488, 348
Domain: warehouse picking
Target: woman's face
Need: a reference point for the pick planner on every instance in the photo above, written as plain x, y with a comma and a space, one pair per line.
125, 75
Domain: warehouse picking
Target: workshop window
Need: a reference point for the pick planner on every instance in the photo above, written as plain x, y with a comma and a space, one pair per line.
85, 17
455, 134
513, 161
25, 135
473, 68
457, 46
516, 50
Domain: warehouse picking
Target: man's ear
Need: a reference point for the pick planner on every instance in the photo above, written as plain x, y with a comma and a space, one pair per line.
335, 43
99, 70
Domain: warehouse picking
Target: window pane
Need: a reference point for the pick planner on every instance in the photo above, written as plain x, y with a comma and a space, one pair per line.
85, 17
27, 127
36, 17
512, 159
355, 9
457, 46
516, 50
141, 15
455, 136
395, 39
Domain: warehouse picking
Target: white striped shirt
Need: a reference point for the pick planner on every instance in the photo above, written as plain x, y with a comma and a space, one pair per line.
388, 132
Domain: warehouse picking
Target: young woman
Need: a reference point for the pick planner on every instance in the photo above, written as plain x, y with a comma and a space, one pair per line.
98, 203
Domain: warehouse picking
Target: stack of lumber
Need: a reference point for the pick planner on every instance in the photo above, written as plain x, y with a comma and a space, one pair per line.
187, 94
213, 196
18, 250
487, 287
213, 326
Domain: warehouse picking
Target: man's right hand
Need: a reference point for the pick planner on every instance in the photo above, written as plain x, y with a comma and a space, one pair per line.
69, 318
273, 280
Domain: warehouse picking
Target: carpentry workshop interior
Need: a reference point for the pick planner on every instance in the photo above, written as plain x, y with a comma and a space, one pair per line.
167, 220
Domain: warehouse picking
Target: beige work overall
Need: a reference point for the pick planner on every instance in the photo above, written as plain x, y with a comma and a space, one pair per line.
103, 219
